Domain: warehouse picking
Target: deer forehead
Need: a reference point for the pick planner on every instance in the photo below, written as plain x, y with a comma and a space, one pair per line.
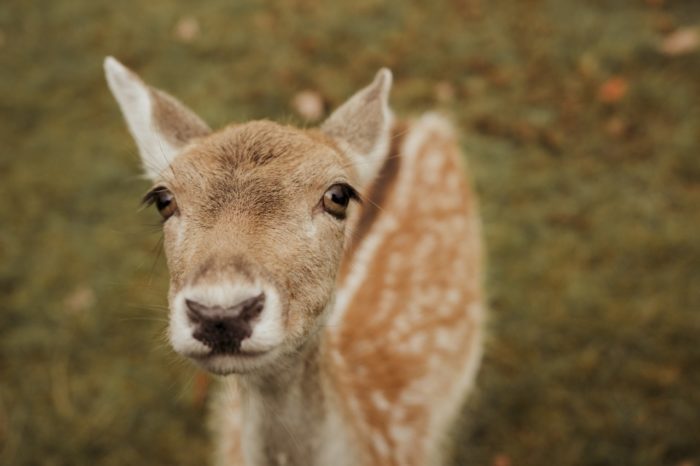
260, 165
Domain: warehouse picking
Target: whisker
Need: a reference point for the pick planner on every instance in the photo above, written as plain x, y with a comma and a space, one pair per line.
149, 319
159, 251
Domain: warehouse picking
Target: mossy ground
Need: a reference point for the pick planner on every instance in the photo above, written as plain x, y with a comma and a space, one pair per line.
583, 140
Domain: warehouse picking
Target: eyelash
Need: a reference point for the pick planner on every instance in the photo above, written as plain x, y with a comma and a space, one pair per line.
352, 192
153, 197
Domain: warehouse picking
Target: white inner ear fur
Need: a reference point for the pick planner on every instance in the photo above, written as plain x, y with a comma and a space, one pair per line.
362, 127
158, 135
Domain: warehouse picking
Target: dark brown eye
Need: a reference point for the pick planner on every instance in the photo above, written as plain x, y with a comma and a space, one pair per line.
336, 199
164, 201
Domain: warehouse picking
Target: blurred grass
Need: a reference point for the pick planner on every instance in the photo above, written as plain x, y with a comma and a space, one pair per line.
590, 211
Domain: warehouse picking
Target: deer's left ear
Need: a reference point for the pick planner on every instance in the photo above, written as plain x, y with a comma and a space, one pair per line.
362, 126
159, 123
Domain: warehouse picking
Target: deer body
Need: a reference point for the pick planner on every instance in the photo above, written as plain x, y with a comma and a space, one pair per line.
359, 351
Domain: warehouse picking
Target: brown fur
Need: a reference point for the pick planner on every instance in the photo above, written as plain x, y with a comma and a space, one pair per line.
381, 312
245, 192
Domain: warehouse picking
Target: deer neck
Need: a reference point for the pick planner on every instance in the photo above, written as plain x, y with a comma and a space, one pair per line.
290, 414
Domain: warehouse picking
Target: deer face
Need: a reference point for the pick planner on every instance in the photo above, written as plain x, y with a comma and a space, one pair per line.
254, 218
254, 230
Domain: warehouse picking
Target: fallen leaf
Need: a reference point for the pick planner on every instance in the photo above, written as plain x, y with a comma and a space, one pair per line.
501, 459
82, 298
613, 90
308, 104
680, 42
187, 29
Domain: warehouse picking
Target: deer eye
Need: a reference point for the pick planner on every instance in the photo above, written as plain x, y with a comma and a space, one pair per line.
164, 201
336, 199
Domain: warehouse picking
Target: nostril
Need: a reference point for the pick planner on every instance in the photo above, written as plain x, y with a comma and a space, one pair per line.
195, 311
251, 308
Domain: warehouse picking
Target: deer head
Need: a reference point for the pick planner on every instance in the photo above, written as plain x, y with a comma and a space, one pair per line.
254, 217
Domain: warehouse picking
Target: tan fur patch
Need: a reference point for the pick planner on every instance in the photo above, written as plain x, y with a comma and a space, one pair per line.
411, 324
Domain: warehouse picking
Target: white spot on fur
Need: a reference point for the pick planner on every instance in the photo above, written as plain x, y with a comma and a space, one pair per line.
444, 338
380, 401
380, 444
402, 435
416, 344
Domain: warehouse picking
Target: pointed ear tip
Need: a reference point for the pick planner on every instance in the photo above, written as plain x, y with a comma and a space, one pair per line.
383, 80
384, 71
111, 64
384, 76
114, 70
114, 67
118, 75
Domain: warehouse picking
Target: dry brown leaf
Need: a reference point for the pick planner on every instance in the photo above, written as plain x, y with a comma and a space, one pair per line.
613, 90
501, 459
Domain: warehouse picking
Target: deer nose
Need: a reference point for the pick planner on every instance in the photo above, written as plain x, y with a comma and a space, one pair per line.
224, 328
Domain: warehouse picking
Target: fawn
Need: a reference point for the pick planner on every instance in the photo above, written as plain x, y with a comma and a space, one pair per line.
334, 273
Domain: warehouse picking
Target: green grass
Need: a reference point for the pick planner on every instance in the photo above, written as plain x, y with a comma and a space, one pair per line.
590, 212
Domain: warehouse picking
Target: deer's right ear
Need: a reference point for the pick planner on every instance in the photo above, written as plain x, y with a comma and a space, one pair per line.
159, 123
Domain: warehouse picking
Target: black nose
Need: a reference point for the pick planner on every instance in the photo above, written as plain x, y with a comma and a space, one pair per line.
224, 328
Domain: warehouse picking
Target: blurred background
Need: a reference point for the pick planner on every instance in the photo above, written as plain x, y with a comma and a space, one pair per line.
581, 124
